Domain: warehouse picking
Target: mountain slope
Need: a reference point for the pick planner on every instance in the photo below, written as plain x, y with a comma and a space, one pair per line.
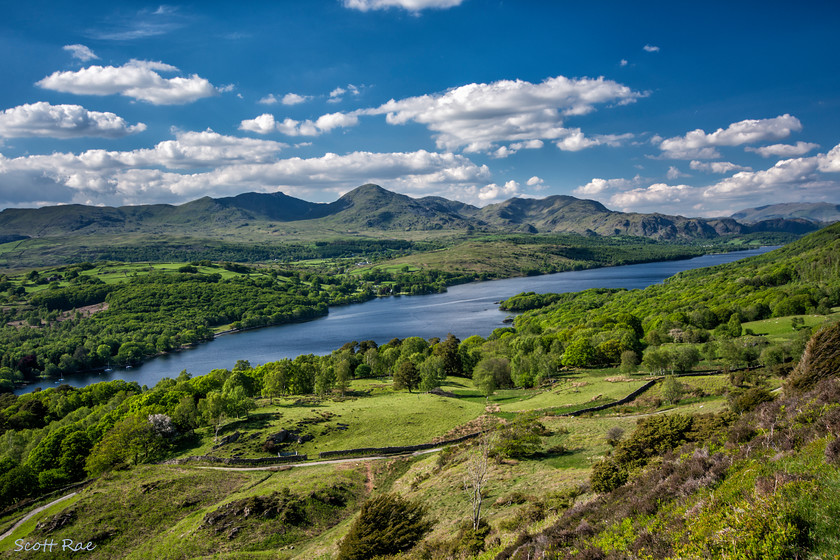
812, 211
370, 208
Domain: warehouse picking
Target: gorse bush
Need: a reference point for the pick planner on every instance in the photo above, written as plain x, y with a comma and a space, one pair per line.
387, 524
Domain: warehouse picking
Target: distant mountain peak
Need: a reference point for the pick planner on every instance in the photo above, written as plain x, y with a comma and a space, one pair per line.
817, 212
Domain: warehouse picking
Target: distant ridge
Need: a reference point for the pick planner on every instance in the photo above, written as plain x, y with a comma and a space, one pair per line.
817, 212
371, 208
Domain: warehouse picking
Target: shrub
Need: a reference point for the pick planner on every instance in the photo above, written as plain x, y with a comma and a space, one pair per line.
607, 475
653, 436
387, 524
750, 399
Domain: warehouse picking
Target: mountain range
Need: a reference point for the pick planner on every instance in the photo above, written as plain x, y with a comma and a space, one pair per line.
818, 212
371, 208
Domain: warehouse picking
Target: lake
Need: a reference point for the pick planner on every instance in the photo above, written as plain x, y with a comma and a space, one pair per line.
463, 310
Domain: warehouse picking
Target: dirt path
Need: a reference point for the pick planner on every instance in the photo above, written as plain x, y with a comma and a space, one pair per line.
33, 513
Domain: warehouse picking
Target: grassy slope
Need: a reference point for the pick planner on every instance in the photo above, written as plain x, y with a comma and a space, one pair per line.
155, 511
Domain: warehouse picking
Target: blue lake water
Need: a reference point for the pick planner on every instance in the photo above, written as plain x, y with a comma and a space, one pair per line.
463, 310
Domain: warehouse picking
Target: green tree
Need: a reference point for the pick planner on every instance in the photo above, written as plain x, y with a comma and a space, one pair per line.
387, 524
131, 441
431, 373
343, 375
214, 411
655, 360
239, 403
406, 376
672, 390
734, 326
491, 374
629, 362
447, 349
275, 379
684, 358
185, 414
579, 353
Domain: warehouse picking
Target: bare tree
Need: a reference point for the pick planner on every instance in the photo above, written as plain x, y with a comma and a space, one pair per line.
475, 477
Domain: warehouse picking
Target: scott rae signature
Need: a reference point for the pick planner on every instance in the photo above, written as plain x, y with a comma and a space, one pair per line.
50, 545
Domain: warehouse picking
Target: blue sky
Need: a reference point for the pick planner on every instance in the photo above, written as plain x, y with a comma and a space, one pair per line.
697, 109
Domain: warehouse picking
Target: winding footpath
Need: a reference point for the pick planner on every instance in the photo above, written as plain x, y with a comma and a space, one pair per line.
33, 513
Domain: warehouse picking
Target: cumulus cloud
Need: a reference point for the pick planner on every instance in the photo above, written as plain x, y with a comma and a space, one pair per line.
599, 186
480, 117
697, 144
505, 151
784, 150
269, 99
62, 121
80, 52
266, 123
659, 197
207, 163
414, 6
717, 166
495, 193
294, 99
675, 173
337, 94
138, 79
806, 179
651, 48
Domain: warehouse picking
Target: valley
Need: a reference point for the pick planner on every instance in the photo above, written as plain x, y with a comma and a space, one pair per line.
720, 345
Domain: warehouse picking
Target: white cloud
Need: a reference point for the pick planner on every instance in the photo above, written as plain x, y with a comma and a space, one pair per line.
651, 48
337, 95
658, 197
623, 62
535, 182
495, 193
717, 166
598, 186
414, 6
80, 52
266, 123
784, 150
792, 180
294, 99
674, 173
269, 99
62, 121
143, 23
505, 151
262, 124
697, 144
207, 163
480, 117
138, 79
202, 149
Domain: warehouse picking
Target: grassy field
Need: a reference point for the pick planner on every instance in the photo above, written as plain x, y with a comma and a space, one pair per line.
782, 327
162, 511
